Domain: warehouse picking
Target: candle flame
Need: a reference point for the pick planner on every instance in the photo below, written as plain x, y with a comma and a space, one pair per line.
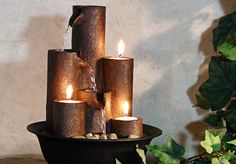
126, 108
69, 92
121, 47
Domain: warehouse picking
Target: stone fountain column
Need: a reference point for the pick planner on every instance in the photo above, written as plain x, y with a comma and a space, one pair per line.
88, 37
88, 40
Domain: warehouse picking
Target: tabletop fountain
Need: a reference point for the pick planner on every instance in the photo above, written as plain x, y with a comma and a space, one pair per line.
89, 99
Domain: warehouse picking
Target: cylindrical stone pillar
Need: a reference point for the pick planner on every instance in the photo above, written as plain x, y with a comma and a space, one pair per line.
118, 79
88, 36
63, 70
69, 118
95, 114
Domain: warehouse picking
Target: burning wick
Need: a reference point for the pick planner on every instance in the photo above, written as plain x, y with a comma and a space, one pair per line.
69, 92
126, 111
121, 48
126, 108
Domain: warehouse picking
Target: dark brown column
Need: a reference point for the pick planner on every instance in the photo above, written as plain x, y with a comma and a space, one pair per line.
63, 70
96, 114
88, 36
69, 118
118, 79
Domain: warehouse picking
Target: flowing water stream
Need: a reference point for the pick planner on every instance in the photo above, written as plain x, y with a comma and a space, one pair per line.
64, 37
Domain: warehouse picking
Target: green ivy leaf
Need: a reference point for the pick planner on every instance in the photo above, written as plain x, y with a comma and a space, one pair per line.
228, 47
219, 161
169, 153
211, 142
164, 157
215, 161
141, 154
226, 27
229, 156
228, 137
218, 132
202, 102
226, 158
213, 120
233, 142
220, 86
224, 36
230, 117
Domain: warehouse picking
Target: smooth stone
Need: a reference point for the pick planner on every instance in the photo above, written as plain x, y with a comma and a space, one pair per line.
79, 137
112, 136
133, 136
97, 136
89, 135
103, 137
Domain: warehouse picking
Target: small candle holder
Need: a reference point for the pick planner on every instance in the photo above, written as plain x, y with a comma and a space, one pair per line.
69, 118
126, 127
98, 112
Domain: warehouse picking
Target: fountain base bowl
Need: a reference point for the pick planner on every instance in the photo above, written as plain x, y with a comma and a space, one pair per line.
90, 151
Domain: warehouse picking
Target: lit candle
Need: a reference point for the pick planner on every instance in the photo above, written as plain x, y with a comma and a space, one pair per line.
69, 116
126, 118
127, 125
118, 79
69, 92
121, 48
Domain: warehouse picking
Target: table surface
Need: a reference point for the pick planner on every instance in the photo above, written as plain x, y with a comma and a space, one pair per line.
38, 159
23, 159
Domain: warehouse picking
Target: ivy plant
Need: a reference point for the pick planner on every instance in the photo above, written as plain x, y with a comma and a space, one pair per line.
217, 92
168, 153
218, 146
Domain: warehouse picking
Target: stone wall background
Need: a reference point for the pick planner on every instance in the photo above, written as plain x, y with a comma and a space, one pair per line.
169, 39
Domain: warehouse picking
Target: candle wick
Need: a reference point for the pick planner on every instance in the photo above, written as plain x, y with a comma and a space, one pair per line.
120, 55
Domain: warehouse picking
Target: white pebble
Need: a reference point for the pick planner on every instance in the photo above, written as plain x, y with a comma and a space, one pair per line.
103, 137
112, 136
79, 137
97, 136
133, 136
89, 135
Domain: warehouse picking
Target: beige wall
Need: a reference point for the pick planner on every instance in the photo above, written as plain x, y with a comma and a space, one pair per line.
169, 39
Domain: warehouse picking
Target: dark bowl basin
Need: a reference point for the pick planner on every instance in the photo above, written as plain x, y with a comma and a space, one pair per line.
60, 150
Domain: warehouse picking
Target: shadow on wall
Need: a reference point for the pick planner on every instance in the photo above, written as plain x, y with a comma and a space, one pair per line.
41, 34
26, 82
172, 57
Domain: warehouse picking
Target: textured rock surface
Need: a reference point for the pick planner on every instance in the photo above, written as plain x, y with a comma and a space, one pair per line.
169, 40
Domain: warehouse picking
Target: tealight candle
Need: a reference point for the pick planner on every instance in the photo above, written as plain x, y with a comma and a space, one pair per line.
127, 125
118, 79
69, 116
126, 118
